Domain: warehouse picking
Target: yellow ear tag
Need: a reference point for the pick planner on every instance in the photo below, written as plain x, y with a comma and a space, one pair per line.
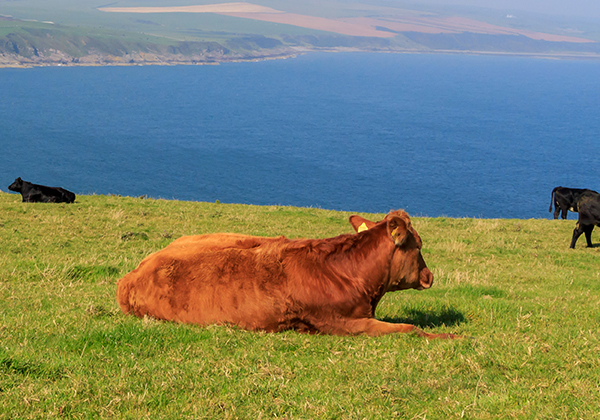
363, 227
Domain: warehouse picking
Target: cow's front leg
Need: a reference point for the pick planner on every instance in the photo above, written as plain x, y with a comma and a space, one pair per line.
576, 234
374, 327
556, 210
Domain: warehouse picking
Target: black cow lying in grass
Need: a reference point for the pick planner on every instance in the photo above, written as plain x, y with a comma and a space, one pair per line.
589, 215
34, 193
565, 199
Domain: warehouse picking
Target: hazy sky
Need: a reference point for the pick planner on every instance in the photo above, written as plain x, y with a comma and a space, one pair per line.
580, 8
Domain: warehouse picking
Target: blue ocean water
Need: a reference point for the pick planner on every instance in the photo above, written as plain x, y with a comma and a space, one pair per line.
437, 135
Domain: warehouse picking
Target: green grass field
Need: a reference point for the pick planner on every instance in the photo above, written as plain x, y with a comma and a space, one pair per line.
530, 305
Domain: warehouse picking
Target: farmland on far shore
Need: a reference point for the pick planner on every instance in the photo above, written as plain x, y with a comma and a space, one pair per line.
153, 32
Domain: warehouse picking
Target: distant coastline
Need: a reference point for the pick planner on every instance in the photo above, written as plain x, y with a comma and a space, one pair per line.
134, 59
139, 59
244, 32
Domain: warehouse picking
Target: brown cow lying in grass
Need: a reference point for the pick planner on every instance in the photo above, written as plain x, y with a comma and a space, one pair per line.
329, 286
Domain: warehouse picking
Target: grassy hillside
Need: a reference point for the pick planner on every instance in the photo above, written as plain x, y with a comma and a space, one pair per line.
530, 304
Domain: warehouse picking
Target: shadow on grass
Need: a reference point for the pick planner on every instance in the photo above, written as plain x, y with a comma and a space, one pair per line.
31, 369
422, 319
584, 246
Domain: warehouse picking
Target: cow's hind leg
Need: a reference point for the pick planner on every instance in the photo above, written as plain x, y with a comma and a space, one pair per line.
564, 213
556, 210
588, 234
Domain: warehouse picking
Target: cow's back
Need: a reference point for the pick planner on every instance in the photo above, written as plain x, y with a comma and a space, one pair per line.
224, 240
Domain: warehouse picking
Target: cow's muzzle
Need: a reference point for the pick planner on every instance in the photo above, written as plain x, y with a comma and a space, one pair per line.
426, 279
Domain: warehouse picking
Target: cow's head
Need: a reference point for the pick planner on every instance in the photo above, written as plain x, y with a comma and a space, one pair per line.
17, 185
408, 268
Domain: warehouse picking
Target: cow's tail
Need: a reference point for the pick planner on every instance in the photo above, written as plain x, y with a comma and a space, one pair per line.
552, 199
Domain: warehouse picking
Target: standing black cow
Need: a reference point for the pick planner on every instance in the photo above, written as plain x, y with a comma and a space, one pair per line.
565, 199
589, 215
34, 193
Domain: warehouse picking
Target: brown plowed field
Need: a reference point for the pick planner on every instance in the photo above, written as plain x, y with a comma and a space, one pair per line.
455, 25
312, 22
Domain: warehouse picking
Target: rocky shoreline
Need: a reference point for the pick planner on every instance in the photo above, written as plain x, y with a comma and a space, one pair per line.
58, 59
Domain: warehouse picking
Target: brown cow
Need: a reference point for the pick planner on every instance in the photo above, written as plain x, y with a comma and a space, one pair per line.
329, 286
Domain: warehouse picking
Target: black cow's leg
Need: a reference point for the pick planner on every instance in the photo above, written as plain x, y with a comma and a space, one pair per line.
557, 210
588, 234
576, 234
564, 214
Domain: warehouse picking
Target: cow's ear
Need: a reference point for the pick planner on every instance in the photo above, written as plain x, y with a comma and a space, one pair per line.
398, 230
360, 223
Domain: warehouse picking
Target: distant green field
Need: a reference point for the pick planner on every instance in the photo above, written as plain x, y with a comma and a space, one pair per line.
530, 305
85, 14
79, 29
